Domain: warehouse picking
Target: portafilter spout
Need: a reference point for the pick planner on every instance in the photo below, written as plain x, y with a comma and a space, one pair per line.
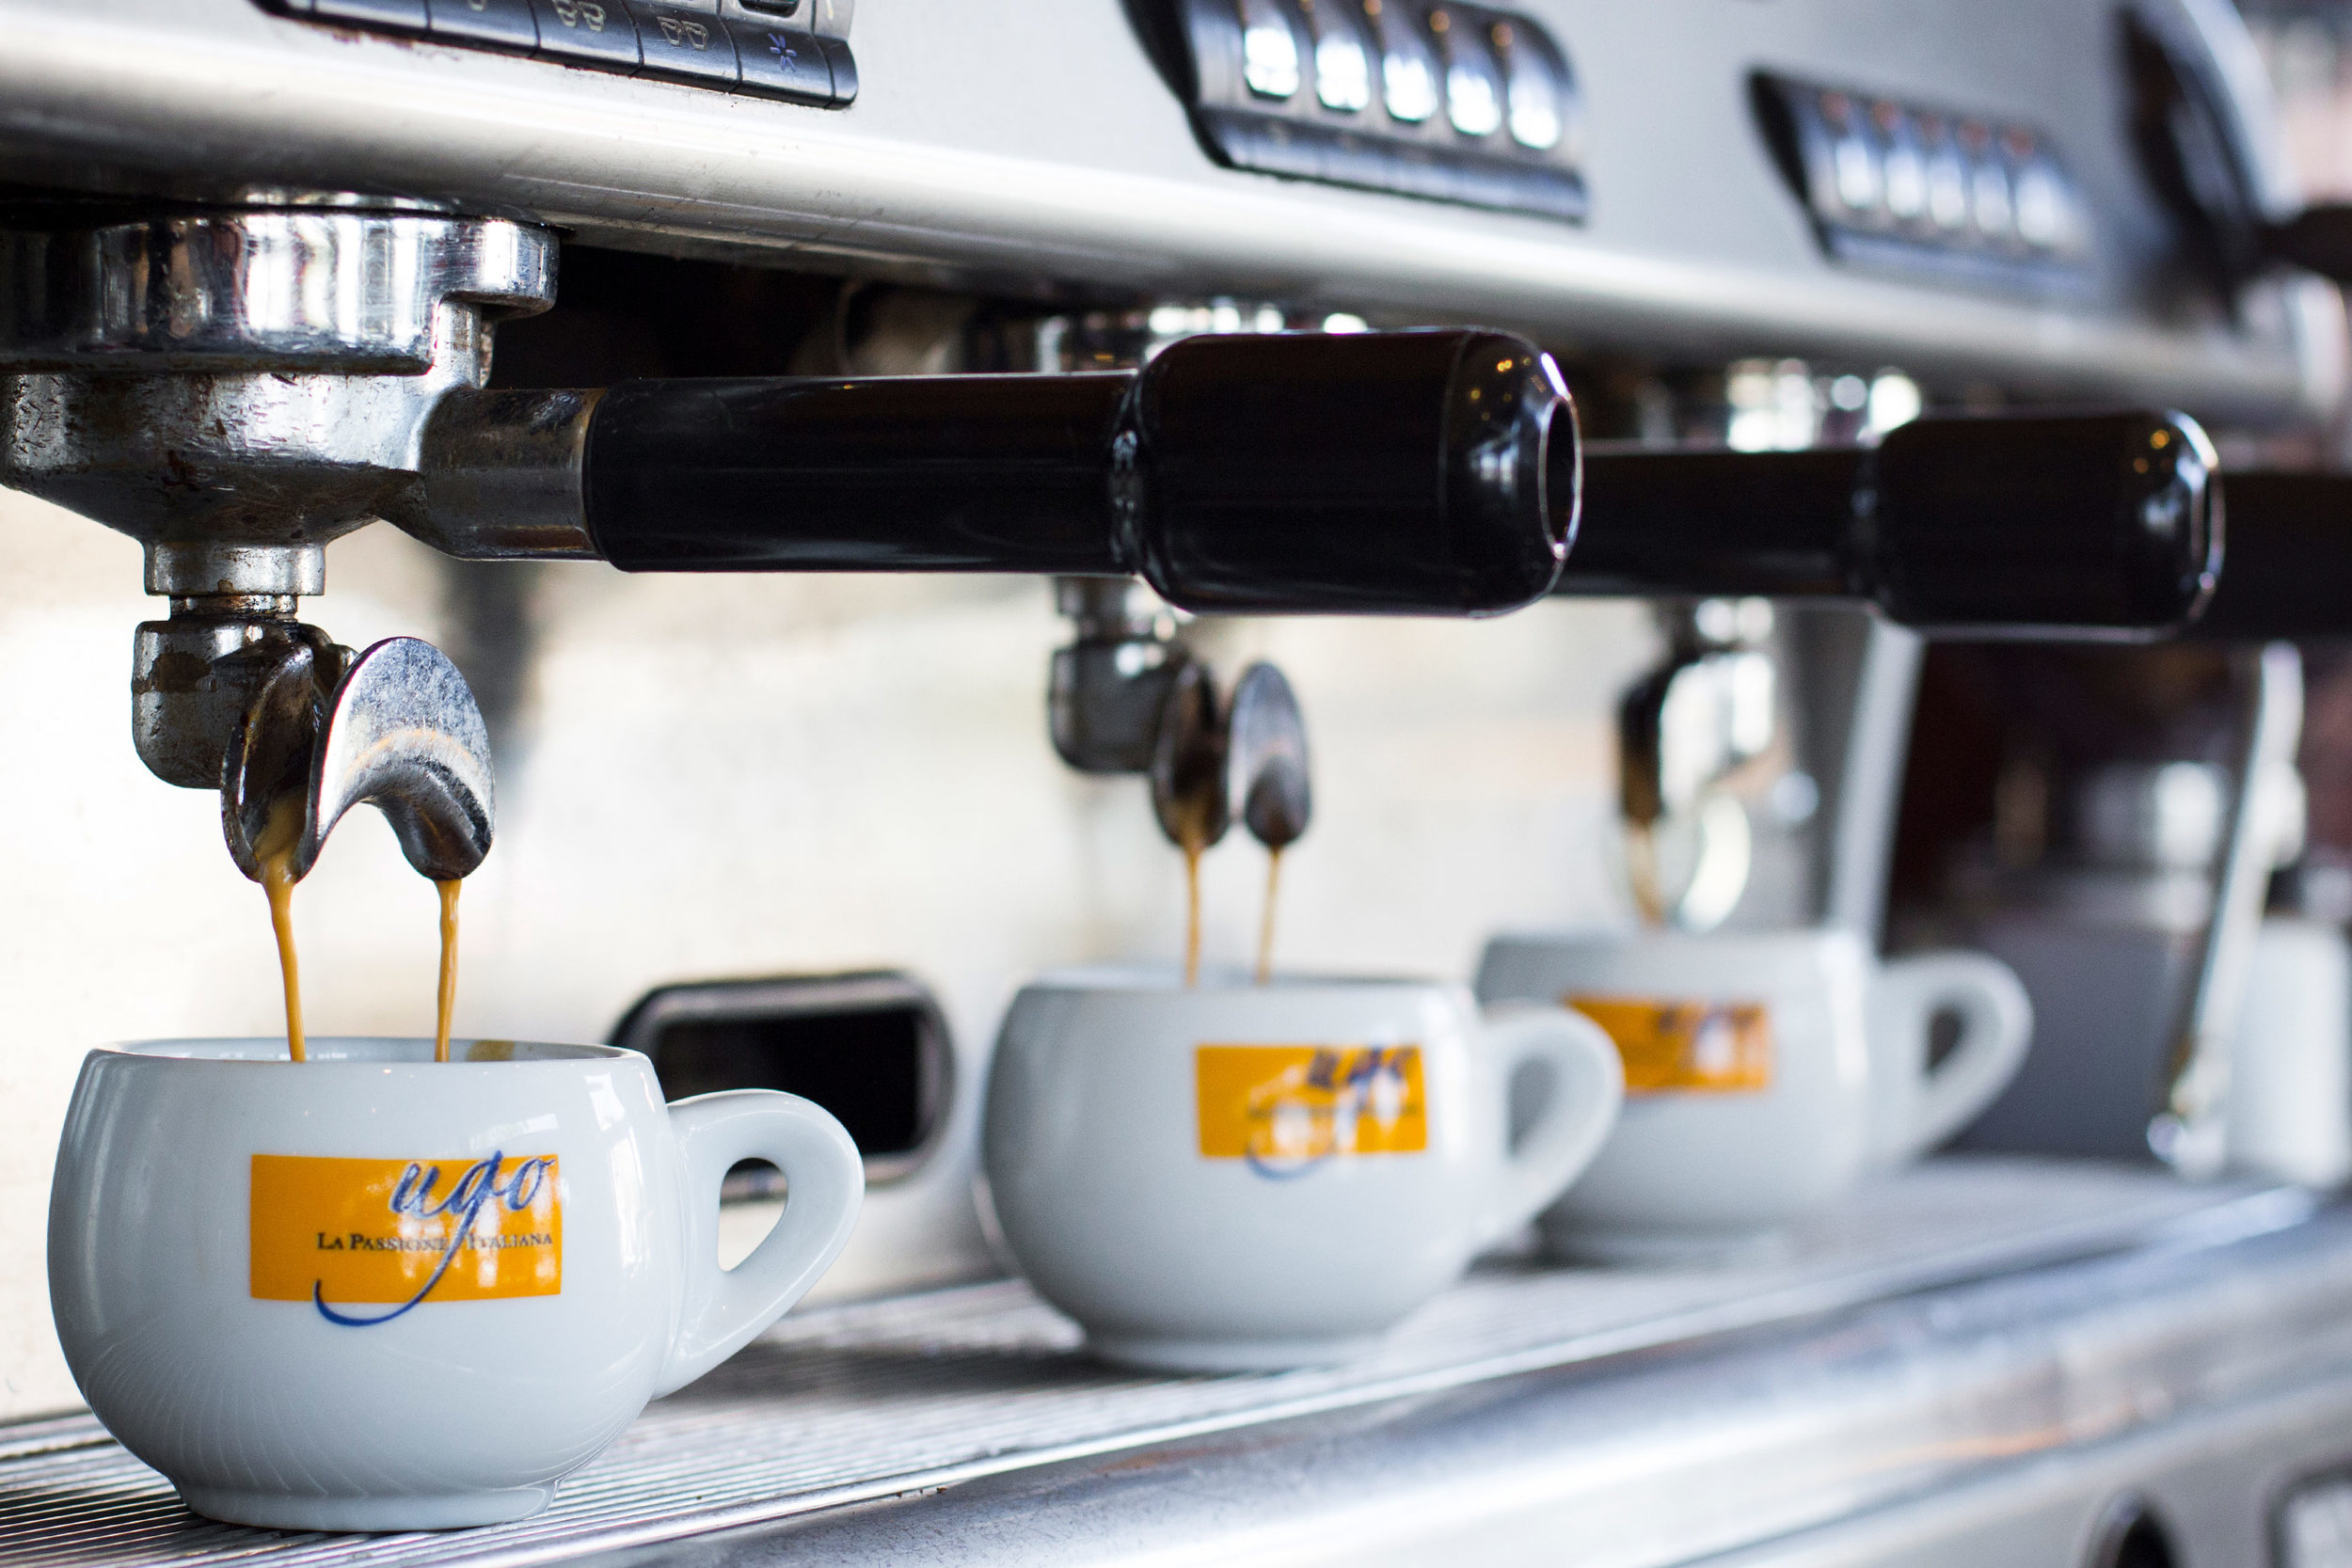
1266, 773
1215, 761
398, 730
1188, 790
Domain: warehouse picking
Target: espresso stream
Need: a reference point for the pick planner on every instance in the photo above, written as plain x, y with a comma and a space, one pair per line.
1641, 865
1190, 843
1192, 911
274, 850
1265, 924
447, 998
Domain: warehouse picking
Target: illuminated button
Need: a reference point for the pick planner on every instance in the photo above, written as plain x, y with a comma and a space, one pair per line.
1854, 181
1989, 201
2044, 211
1538, 116
1906, 171
1408, 67
1857, 162
1342, 64
1947, 180
1473, 88
2044, 207
1270, 49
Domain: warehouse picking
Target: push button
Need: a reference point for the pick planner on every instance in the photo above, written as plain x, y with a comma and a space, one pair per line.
372, 13
499, 24
1270, 49
844, 69
1342, 64
1535, 86
781, 62
680, 42
591, 32
1409, 66
1473, 88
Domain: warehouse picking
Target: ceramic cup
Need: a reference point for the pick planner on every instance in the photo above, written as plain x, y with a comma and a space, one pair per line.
371, 1291
1764, 1072
1236, 1176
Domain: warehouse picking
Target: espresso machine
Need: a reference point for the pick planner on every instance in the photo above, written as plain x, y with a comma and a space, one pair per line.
802, 482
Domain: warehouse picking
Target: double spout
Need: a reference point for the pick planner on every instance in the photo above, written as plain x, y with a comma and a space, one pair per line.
1216, 761
395, 728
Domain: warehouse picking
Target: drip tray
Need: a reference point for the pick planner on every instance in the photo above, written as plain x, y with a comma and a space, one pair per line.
879, 1398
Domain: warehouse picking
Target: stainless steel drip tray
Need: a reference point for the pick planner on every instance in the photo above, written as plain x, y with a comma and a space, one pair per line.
887, 1397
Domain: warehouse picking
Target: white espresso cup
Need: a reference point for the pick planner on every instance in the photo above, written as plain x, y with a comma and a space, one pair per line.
372, 1291
1764, 1072
1235, 1176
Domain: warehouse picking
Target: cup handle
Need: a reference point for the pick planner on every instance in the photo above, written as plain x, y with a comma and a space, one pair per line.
825, 1183
1995, 1026
1580, 1107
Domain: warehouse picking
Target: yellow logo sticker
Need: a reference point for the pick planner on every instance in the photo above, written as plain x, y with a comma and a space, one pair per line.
342, 1234
1686, 1047
1288, 1108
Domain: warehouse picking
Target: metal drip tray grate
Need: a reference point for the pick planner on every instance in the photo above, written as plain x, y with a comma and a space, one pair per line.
882, 1398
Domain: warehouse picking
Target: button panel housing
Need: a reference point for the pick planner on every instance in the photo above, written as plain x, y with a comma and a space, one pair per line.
766, 49
1424, 98
1902, 187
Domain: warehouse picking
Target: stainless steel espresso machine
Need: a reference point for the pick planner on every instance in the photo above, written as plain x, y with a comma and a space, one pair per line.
801, 476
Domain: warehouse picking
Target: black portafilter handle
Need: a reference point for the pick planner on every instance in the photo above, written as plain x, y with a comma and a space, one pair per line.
2103, 525
2290, 571
1430, 473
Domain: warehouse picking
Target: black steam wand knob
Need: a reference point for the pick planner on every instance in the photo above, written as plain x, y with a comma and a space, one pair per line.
2105, 525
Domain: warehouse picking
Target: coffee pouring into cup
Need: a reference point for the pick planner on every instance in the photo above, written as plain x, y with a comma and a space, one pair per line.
1215, 760
372, 1291
354, 1284
395, 727
1233, 1170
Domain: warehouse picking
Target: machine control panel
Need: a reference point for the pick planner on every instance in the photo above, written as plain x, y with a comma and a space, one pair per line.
1900, 186
789, 49
1448, 102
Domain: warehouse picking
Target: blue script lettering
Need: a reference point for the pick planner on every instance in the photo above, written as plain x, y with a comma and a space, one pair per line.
1350, 1091
412, 1198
